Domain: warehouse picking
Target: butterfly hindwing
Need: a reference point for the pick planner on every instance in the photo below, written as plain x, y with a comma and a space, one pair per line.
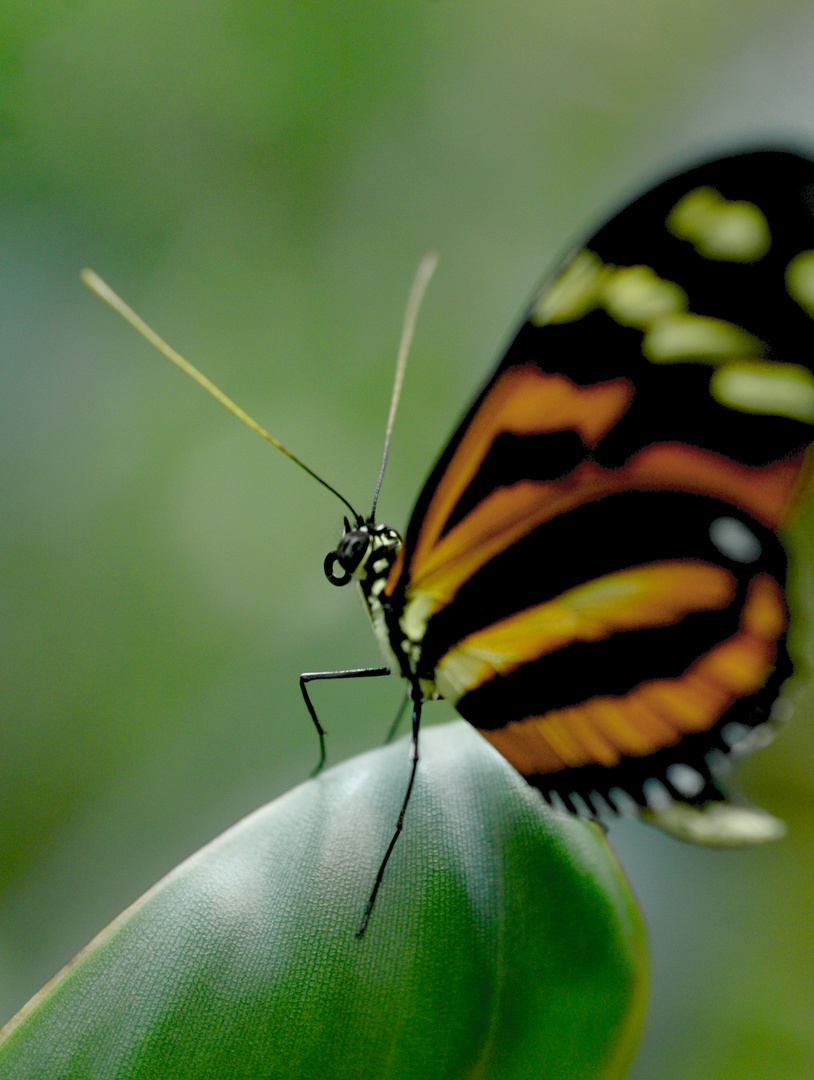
592, 572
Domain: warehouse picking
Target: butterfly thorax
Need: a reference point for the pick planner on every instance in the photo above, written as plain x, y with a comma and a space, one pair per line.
366, 554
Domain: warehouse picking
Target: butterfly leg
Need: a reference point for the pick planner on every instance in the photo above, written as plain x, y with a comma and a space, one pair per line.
395, 725
310, 676
417, 698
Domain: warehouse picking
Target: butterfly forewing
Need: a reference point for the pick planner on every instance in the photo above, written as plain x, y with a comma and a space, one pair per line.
591, 573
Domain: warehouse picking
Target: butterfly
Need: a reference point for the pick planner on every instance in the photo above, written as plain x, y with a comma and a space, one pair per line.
592, 574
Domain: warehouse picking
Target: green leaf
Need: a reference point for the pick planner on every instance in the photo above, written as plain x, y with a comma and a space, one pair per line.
504, 943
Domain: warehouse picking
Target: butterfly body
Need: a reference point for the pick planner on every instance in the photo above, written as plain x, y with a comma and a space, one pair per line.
367, 553
592, 574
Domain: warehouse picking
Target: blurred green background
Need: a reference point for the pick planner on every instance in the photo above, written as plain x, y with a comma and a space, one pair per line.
259, 179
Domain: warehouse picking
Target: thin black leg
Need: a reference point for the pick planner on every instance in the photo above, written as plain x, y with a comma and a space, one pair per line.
310, 676
395, 725
415, 694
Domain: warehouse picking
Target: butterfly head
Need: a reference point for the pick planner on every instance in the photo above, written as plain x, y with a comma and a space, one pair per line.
365, 548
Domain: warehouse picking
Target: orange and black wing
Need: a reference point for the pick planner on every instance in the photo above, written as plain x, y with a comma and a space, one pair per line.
592, 573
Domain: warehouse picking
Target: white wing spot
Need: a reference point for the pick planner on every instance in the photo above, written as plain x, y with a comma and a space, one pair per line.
686, 780
656, 794
782, 710
580, 806
623, 803
735, 540
734, 733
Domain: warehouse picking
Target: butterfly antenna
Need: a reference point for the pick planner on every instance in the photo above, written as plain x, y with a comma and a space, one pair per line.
426, 268
104, 292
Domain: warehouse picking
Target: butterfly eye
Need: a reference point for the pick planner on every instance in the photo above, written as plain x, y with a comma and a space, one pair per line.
735, 540
349, 553
335, 579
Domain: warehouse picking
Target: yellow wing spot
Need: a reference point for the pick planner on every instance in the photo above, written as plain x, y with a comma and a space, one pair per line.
416, 616
766, 387
574, 293
800, 280
699, 338
721, 229
636, 296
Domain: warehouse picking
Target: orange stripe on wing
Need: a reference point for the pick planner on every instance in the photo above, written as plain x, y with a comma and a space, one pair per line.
657, 713
498, 521
506, 515
766, 492
522, 401
654, 595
